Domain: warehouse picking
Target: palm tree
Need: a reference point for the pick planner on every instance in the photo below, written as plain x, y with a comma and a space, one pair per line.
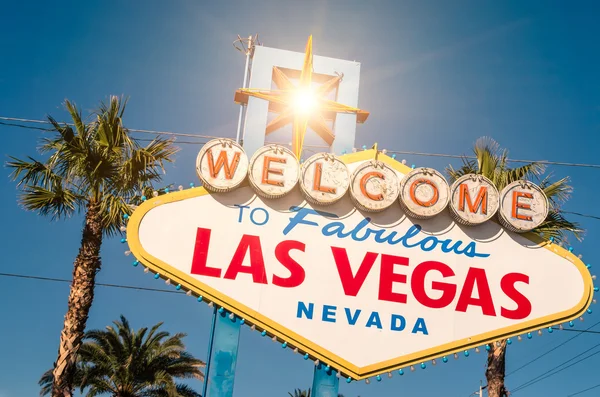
492, 162
96, 168
124, 363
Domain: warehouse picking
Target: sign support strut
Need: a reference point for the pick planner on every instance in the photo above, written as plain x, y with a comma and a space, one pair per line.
325, 382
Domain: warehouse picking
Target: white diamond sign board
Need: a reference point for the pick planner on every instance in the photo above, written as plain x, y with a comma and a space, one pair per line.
364, 292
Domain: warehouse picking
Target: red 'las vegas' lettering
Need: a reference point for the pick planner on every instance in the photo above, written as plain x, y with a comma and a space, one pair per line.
471, 294
476, 277
352, 283
508, 287
417, 283
297, 274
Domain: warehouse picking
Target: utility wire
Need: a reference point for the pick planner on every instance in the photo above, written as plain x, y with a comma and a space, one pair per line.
559, 163
552, 372
62, 280
583, 391
554, 348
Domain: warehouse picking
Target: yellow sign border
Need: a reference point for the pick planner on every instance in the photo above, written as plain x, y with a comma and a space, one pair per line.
294, 340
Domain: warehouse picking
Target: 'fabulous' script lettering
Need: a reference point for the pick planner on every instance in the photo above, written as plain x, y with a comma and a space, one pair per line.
360, 232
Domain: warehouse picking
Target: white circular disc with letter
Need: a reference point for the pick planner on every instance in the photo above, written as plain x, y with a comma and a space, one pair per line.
473, 199
424, 193
324, 179
523, 206
374, 186
221, 165
273, 171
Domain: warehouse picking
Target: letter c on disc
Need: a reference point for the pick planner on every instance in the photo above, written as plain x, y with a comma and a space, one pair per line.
374, 186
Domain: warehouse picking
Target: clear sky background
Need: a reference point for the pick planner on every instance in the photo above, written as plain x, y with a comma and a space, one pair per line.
435, 76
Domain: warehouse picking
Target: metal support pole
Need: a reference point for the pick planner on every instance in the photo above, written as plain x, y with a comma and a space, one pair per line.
246, 72
222, 358
325, 382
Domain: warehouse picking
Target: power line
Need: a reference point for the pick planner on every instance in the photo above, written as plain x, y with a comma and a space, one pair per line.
553, 349
62, 280
577, 330
580, 214
171, 133
456, 156
583, 391
550, 372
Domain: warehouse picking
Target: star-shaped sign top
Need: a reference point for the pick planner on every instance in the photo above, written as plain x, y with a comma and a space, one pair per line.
301, 104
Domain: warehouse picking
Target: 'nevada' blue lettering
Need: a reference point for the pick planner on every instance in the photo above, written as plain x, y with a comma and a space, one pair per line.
361, 232
352, 319
329, 313
395, 319
374, 320
420, 327
307, 311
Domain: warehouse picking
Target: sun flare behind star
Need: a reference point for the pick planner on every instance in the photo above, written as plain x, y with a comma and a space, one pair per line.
301, 104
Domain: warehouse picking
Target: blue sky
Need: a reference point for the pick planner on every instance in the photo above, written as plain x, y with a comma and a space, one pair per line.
435, 76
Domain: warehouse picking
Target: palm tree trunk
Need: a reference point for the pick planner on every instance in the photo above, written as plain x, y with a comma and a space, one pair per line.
496, 369
86, 265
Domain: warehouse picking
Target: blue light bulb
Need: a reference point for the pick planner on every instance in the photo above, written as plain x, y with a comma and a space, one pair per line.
445, 359
423, 366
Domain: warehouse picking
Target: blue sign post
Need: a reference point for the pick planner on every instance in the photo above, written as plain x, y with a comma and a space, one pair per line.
325, 382
222, 355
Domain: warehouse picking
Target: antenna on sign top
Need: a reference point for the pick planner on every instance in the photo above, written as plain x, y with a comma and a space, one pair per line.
245, 46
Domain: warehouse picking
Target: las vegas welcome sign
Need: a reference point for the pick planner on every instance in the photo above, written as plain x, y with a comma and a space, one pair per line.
359, 261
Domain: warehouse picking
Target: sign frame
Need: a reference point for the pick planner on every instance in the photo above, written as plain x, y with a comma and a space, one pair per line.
316, 352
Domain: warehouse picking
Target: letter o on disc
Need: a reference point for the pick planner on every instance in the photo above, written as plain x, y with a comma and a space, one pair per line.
473, 199
324, 179
221, 165
424, 193
374, 186
523, 206
273, 171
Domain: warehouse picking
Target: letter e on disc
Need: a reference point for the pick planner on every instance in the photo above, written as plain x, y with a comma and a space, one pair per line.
222, 165
273, 171
324, 179
424, 193
523, 206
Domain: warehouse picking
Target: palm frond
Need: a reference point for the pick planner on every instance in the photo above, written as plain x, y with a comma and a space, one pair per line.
557, 192
557, 227
55, 202
32, 172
